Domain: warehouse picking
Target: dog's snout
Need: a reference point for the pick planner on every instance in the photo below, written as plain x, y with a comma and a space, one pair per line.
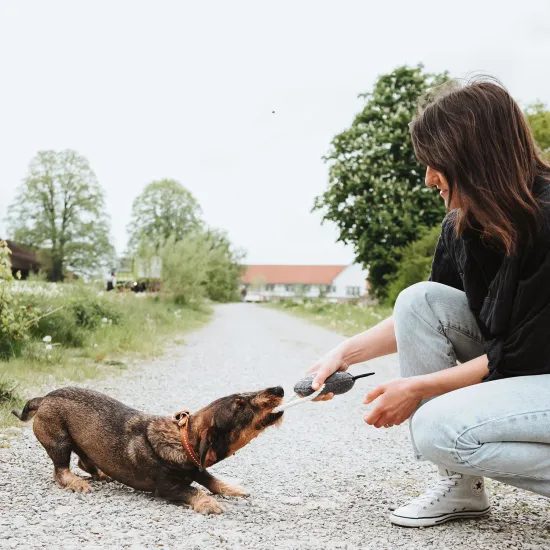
277, 390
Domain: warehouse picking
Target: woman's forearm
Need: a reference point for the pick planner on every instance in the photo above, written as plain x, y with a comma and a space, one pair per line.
375, 342
446, 380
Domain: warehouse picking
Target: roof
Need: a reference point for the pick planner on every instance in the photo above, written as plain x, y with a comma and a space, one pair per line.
292, 274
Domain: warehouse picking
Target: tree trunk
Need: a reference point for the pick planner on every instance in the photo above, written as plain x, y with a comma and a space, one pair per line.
57, 269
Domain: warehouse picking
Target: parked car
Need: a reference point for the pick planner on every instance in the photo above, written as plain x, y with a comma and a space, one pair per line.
254, 297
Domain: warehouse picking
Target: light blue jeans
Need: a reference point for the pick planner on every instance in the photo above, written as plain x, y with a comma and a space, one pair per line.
498, 429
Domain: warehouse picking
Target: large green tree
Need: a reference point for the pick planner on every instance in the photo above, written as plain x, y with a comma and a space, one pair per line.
376, 194
538, 117
165, 209
60, 208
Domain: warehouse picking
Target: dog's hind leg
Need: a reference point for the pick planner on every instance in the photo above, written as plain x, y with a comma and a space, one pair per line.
85, 464
197, 499
58, 444
218, 486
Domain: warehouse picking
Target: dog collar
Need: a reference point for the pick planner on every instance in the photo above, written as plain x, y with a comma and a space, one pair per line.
182, 420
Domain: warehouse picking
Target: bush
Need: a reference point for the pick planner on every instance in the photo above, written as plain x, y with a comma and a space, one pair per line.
415, 263
184, 269
201, 265
16, 318
72, 314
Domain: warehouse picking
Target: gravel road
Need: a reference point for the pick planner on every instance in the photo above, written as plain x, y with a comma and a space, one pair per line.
322, 480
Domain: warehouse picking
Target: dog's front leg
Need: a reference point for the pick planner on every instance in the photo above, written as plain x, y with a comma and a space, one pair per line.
197, 499
218, 486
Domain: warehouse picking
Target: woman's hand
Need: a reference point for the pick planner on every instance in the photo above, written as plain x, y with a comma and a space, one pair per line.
395, 402
325, 367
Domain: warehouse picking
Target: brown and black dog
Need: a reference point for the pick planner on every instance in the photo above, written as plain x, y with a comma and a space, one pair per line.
163, 455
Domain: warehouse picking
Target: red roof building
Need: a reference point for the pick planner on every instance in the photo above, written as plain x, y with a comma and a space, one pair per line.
292, 274
334, 282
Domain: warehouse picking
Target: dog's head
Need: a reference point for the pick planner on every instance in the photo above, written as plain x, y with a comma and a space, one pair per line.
229, 423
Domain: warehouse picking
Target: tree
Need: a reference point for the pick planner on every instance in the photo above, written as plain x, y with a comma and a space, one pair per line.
538, 117
60, 207
224, 268
165, 209
415, 262
201, 265
376, 194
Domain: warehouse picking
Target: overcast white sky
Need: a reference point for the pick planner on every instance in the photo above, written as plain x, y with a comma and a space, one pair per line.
186, 90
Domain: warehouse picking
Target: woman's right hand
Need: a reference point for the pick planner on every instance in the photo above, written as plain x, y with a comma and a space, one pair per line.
325, 367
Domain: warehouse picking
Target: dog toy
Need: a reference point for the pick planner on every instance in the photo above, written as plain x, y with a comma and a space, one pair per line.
337, 383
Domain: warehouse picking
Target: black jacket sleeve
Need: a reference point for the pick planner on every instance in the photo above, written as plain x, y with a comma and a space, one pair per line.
444, 268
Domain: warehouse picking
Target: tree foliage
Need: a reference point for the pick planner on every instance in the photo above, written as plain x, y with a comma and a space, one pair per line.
538, 117
202, 265
415, 262
60, 207
15, 317
165, 209
376, 194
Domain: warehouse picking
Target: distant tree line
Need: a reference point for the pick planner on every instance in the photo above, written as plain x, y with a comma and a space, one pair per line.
60, 211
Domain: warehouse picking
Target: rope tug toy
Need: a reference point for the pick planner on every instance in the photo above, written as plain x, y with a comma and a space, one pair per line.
337, 383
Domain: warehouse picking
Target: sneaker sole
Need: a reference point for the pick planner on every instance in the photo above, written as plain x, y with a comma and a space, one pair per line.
437, 520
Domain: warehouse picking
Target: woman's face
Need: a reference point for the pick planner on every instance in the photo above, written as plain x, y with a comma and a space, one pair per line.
437, 179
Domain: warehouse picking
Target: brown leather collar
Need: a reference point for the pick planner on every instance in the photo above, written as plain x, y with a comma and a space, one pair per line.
182, 420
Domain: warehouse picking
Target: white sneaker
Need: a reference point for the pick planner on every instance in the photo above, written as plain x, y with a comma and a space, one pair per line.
455, 496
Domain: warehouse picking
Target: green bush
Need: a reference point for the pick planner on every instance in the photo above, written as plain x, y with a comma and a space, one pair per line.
184, 269
16, 317
415, 263
73, 313
201, 265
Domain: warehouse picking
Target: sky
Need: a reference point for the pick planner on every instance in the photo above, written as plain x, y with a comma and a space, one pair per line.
187, 90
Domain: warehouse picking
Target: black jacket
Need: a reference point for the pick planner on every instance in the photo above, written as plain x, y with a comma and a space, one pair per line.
509, 295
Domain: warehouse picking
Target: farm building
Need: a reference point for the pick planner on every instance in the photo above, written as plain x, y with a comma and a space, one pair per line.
23, 259
333, 282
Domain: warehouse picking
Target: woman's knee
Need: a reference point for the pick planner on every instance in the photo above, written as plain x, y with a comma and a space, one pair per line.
435, 432
414, 298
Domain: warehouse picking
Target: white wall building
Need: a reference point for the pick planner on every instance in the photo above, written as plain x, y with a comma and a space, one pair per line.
333, 282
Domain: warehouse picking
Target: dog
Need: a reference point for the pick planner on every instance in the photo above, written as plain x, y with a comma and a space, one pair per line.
157, 454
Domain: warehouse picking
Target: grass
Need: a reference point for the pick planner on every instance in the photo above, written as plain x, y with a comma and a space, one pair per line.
139, 326
346, 318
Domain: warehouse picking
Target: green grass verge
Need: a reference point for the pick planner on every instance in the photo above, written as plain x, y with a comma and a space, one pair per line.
348, 319
143, 327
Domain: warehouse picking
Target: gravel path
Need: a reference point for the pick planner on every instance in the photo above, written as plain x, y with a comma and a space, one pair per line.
322, 480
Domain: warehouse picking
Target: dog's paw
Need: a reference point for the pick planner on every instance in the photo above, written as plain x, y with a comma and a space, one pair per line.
207, 505
78, 485
100, 476
228, 490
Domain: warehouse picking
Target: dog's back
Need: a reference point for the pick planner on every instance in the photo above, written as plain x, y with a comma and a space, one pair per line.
99, 429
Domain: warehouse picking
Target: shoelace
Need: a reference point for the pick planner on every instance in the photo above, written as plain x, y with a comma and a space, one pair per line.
444, 486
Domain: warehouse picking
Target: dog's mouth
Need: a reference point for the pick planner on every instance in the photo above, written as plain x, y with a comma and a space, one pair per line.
271, 417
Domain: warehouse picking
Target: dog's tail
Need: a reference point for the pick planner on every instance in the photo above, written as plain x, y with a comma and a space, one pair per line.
29, 410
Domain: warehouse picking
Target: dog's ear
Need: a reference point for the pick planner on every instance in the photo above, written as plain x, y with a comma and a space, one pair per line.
207, 455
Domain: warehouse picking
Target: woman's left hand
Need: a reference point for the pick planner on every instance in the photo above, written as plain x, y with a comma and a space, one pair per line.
395, 402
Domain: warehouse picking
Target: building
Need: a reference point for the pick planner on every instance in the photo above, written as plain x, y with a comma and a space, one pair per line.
24, 260
333, 282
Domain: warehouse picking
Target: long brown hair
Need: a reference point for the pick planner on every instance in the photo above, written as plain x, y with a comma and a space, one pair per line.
476, 135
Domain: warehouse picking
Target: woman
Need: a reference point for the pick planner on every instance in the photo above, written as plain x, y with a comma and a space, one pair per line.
486, 306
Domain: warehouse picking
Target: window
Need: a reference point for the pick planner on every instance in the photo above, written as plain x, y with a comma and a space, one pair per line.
353, 291
270, 288
289, 288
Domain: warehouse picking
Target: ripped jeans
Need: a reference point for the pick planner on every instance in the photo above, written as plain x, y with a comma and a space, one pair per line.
498, 429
